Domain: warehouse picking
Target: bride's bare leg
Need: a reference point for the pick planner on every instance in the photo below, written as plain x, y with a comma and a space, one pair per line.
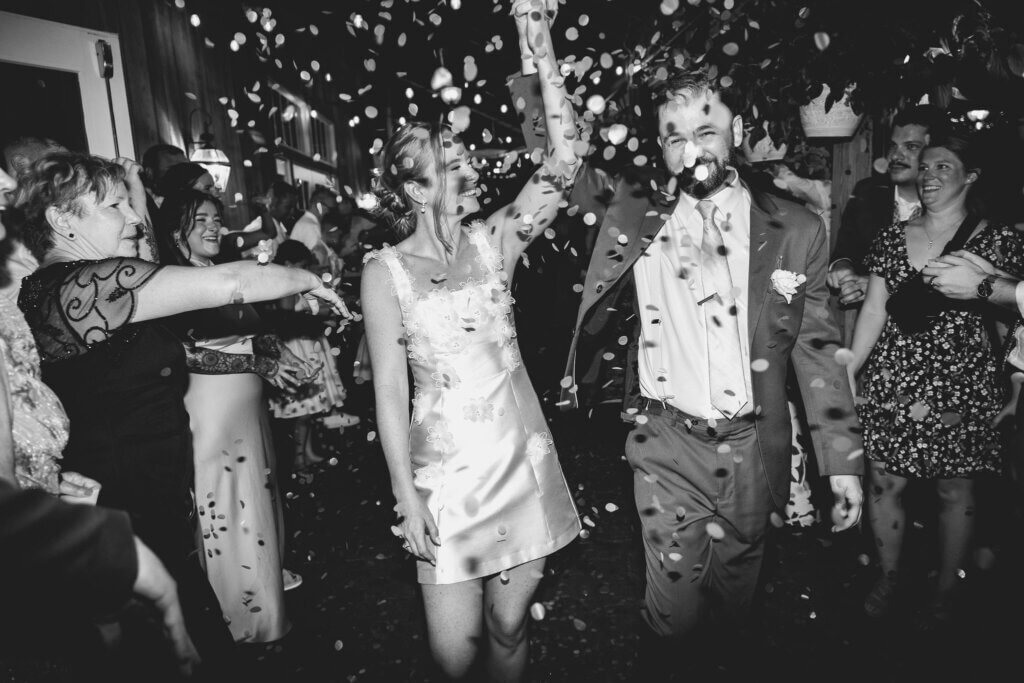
506, 605
454, 625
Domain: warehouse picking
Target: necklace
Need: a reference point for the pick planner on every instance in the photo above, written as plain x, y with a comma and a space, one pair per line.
945, 231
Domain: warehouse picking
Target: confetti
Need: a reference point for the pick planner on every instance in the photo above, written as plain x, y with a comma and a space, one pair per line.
843, 356
442, 78
537, 611
617, 133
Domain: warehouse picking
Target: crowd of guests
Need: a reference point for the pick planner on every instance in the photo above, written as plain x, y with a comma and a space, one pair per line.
142, 368
159, 362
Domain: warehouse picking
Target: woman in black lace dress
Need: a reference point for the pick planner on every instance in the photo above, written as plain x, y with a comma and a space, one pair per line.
97, 313
930, 382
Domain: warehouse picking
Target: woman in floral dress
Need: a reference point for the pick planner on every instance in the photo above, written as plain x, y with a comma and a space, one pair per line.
481, 496
931, 386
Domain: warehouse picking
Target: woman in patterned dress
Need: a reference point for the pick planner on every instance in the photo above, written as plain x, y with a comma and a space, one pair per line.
931, 394
481, 499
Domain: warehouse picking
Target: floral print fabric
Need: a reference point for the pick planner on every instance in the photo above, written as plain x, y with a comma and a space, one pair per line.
929, 398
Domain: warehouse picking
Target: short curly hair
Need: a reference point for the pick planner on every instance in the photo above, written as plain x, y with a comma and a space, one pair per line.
60, 180
694, 83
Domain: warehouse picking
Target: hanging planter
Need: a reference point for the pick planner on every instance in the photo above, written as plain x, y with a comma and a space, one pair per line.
838, 122
764, 149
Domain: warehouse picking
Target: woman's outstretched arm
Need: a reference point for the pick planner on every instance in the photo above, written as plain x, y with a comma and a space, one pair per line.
178, 289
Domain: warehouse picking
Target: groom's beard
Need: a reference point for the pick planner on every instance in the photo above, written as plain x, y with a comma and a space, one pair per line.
718, 173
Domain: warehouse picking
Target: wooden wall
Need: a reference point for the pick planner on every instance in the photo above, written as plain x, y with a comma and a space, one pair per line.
165, 59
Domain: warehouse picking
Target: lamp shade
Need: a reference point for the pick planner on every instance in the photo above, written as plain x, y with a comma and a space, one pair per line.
216, 163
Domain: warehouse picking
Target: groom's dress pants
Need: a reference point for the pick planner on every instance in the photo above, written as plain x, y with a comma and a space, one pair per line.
704, 505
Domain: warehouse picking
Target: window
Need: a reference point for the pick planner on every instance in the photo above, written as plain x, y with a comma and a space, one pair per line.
301, 128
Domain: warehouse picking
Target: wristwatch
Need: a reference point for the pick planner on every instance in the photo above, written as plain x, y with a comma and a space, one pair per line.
985, 287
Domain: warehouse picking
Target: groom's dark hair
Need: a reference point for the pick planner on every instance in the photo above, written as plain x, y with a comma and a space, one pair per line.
693, 83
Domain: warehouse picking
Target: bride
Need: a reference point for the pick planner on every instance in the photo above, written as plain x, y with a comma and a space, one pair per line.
481, 499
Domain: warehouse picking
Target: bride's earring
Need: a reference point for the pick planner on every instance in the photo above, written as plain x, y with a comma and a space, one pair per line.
423, 207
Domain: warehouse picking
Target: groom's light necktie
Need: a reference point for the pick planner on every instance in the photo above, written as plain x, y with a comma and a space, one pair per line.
728, 387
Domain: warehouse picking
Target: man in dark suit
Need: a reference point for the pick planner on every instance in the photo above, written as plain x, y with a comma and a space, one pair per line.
879, 200
78, 562
724, 289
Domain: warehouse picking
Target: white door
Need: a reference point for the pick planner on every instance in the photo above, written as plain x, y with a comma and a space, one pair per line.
54, 87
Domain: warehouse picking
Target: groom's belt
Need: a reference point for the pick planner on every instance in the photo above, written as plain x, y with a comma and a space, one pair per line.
692, 423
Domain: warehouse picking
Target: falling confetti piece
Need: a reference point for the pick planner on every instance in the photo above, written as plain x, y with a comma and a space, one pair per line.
579, 624
338, 645
611, 507
759, 365
822, 40
537, 611
881, 165
844, 356
669, 6
617, 133
950, 419
442, 78
715, 531
451, 94
919, 411
370, 436
596, 104
731, 49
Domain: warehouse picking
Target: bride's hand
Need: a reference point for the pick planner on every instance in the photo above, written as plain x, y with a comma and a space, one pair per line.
417, 528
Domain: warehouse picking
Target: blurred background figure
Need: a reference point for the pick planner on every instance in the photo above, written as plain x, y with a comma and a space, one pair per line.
155, 162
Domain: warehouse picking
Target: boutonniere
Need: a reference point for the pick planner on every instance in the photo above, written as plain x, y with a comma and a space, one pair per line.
785, 282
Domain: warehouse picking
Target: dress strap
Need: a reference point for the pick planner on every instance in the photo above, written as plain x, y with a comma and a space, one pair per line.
489, 257
401, 282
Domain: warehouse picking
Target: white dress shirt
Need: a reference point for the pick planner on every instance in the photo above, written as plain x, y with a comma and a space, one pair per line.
905, 209
1016, 357
673, 358
307, 230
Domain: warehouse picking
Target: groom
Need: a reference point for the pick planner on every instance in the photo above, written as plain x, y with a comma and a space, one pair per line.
721, 290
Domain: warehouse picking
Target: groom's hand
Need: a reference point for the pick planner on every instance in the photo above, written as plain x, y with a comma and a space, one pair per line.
849, 500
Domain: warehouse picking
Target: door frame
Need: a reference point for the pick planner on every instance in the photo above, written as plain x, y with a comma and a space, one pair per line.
63, 47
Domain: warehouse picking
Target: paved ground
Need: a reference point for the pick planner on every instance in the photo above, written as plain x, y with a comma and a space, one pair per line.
357, 617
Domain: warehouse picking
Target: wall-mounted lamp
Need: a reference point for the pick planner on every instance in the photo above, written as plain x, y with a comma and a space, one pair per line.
206, 155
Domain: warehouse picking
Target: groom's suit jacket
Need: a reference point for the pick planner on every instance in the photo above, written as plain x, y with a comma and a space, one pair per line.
799, 334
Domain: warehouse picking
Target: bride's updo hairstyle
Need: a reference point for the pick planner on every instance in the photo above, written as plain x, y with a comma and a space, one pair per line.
409, 155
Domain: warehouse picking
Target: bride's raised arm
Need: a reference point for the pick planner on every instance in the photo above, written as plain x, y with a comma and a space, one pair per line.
535, 207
